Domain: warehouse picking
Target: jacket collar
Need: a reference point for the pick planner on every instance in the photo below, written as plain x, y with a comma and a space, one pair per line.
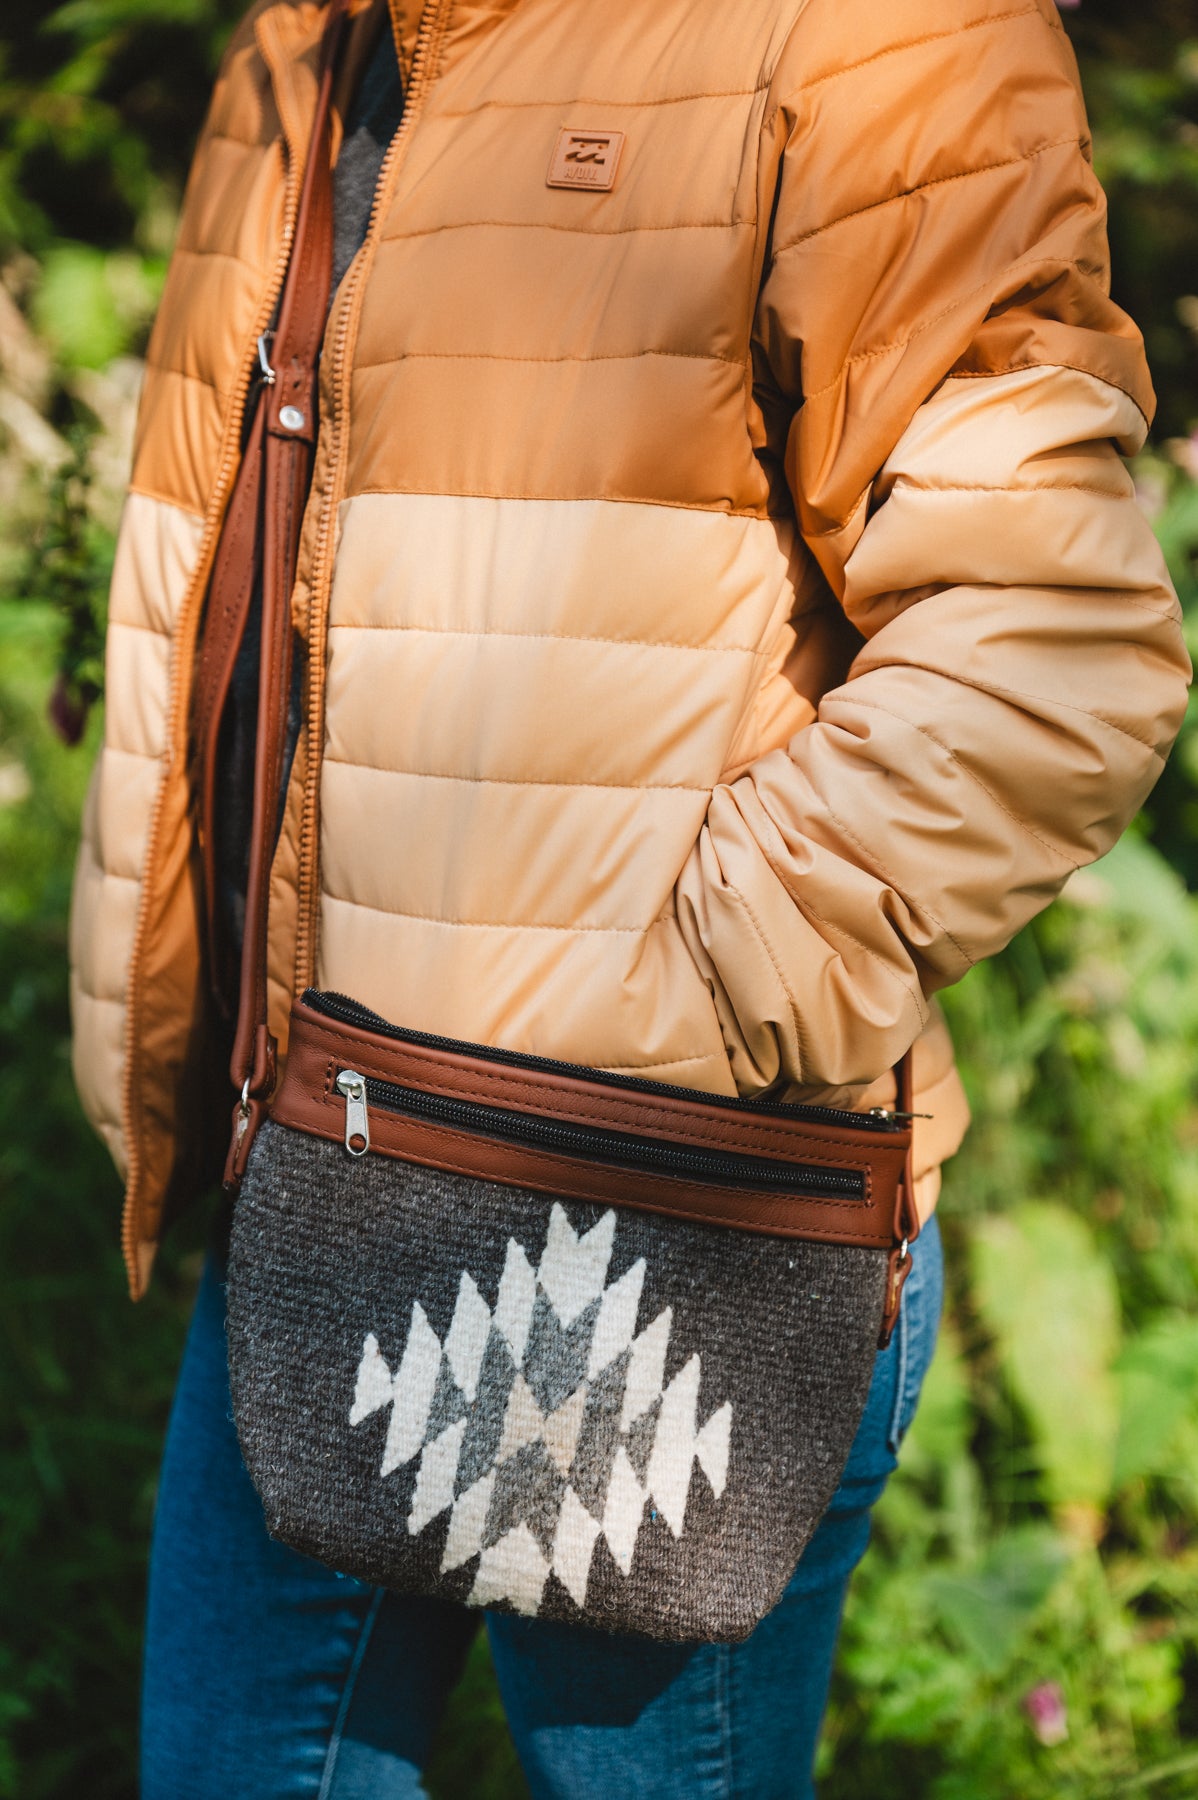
289, 35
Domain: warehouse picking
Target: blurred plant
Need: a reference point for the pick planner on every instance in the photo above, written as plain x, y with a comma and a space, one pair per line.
1140, 70
1168, 486
100, 101
1042, 1528
67, 569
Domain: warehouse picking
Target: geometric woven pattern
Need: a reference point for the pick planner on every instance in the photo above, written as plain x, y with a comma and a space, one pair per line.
543, 1421
465, 1390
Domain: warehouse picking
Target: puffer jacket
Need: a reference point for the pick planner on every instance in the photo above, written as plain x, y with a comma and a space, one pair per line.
725, 615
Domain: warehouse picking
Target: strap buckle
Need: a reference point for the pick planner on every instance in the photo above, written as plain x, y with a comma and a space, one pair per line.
897, 1270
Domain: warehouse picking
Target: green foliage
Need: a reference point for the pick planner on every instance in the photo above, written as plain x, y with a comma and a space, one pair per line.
89, 307
69, 570
100, 101
1042, 1525
1048, 1298
1156, 1385
1140, 69
84, 1381
1170, 495
1039, 1547
473, 1756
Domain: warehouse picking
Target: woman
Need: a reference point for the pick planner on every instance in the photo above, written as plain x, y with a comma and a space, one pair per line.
723, 618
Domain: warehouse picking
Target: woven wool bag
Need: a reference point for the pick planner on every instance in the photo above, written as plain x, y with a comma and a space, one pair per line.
616, 1386
502, 1330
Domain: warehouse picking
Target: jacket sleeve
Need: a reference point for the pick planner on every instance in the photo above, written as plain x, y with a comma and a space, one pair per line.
934, 331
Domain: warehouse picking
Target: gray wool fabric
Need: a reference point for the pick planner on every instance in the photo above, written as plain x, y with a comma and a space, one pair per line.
372, 122
589, 1414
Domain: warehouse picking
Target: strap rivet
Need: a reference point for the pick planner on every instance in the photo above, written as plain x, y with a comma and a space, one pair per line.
291, 418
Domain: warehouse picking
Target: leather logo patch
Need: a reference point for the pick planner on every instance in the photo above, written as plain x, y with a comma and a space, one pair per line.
585, 159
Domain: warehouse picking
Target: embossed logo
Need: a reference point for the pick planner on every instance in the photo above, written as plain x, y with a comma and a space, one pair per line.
585, 159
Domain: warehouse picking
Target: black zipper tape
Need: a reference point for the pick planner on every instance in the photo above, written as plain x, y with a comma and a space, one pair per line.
350, 1012
649, 1155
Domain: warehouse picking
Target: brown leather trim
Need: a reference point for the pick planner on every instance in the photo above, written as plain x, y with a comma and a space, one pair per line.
231, 587
604, 1105
308, 1101
906, 1215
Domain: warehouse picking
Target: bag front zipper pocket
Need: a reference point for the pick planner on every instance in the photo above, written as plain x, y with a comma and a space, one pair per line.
757, 1164
652, 1155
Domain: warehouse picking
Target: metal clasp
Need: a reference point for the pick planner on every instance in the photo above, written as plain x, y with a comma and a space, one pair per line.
264, 344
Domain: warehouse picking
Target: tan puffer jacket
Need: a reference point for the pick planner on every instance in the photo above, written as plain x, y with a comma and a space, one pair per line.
726, 614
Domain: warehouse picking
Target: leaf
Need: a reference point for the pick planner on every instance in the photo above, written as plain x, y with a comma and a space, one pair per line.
75, 309
1158, 1382
1049, 1299
90, 306
1138, 885
988, 1609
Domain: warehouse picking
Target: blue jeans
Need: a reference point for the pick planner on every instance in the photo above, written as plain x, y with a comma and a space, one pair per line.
268, 1676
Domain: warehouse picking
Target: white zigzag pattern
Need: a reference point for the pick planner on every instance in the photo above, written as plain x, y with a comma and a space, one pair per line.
572, 1275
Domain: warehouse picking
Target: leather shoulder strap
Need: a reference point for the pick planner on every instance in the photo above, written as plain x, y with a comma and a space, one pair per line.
254, 514
260, 541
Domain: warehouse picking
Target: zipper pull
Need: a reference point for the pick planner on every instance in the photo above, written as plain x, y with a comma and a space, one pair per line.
357, 1125
891, 1113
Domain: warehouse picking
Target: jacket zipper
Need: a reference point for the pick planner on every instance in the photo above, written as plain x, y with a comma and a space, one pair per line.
350, 1012
650, 1155
432, 26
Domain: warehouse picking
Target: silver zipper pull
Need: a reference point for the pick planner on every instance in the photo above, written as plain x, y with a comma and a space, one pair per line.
357, 1124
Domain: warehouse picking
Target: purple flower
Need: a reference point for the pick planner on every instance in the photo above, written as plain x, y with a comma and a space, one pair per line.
1045, 1708
67, 710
